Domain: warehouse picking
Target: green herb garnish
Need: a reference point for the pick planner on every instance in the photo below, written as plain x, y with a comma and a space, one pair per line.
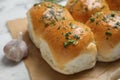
108, 33
117, 24
112, 15
68, 42
36, 4
98, 14
104, 19
92, 19
72, 26
65, 44
67, 35
76, 37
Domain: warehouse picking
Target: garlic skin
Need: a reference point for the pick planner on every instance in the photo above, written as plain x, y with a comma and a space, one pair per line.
16, 49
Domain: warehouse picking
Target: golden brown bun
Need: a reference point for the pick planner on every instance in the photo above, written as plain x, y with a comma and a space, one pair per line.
106, 29
68, 47
82, 10
44, 14
114, 4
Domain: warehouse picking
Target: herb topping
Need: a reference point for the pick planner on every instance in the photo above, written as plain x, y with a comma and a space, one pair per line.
76, 37
92, 19
36, 4
67, 35
108, 33
117, 24
68, 42
71, 40
72, 26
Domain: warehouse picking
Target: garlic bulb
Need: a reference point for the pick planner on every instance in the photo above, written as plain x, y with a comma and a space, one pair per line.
16, 49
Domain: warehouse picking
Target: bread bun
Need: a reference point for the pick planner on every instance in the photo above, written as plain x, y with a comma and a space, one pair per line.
43, 14
106, 29
68, 47
82, 10
114, 4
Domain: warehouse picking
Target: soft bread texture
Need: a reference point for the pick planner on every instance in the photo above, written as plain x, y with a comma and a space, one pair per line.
114, 4
74, 66
66, 45
106, 29
43, 14
82, 10
74, 57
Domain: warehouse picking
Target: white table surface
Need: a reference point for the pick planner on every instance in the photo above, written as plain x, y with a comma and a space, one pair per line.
10, 10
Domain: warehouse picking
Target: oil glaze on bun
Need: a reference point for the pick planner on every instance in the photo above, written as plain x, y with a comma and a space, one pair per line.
106, 29
42, 15
82, 10
68, 47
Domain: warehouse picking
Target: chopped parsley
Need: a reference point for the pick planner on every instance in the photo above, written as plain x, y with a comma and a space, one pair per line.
68, 42
67, 35
92, 19
104, 19
36, 4
72, 26
108, 33
117, 24
98, 14
112, 15
76, 37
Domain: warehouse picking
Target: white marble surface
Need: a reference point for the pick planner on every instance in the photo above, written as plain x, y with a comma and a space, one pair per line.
8, 69
9, 10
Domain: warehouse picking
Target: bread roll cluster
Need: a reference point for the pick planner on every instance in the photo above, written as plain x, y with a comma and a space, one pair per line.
82, 10
104, 23
72, 38
106, 29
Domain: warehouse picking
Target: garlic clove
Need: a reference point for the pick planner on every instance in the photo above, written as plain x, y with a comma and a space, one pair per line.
16, 49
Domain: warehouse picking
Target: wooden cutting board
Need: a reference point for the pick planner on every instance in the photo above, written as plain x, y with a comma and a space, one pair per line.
40, 70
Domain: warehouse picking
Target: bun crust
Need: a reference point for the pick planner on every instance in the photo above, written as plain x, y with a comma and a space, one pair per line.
82, 10
106, 29
68, 43
114, 4
42, 15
